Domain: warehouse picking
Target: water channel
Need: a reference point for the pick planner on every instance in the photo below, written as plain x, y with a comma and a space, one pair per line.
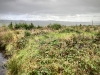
2, 61
2, 66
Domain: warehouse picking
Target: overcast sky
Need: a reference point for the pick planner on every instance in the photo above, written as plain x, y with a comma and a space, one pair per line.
60, 10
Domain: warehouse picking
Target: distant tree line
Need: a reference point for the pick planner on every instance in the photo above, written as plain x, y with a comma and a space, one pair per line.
30, 26
21, 26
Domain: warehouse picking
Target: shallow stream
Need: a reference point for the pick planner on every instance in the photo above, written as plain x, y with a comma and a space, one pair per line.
2, 66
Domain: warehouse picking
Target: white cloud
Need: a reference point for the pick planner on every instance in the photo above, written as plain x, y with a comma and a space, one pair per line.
75, 18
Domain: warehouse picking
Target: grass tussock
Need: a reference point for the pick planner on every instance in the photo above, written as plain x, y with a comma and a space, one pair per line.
69, 50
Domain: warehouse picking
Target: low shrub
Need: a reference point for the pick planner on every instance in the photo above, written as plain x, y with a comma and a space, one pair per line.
10, 26
38, 27
31, 26
17, 26
27, 33
54, 26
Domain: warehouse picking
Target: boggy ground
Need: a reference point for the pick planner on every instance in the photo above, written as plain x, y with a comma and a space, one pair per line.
69, 50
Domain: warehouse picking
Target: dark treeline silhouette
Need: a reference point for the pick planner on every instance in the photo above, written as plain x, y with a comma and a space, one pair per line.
21, 26
26, 26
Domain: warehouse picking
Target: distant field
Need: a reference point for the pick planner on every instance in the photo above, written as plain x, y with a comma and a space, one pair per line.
52, 50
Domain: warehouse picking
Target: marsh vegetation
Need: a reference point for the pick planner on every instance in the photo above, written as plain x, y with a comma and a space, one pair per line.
52, 50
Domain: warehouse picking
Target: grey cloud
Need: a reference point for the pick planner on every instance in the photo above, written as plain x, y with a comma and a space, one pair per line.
55, 7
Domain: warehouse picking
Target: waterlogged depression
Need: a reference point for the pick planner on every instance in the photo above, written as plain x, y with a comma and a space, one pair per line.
2, 67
